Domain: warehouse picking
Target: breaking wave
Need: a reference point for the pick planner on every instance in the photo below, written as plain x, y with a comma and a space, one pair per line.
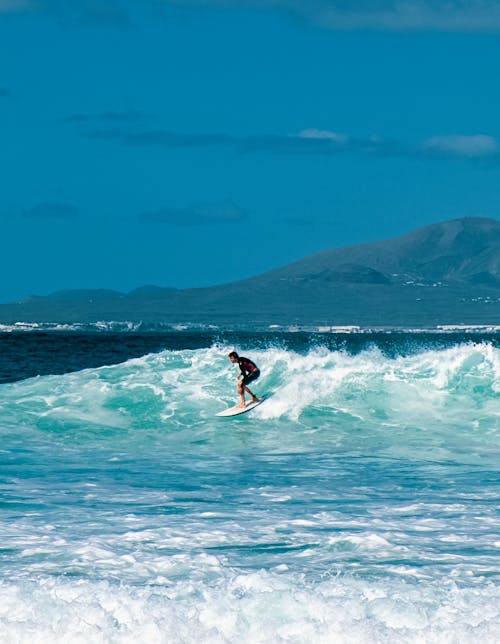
441, 403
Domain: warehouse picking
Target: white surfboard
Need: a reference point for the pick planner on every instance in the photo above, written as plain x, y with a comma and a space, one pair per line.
237, 409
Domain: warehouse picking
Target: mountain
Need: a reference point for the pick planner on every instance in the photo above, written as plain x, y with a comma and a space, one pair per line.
446, 273
453, 251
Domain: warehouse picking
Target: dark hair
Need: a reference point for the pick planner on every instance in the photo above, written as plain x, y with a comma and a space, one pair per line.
233, 354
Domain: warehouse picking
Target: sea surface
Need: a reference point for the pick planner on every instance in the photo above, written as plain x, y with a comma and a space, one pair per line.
359, 503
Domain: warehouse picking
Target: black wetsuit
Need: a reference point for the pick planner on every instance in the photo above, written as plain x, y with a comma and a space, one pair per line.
249, 370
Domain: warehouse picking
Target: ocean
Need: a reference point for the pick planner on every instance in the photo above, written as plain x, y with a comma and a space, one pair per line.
358, 503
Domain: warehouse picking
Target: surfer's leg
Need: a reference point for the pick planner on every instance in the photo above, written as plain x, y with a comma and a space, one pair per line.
241, 390
250, 378
254, 397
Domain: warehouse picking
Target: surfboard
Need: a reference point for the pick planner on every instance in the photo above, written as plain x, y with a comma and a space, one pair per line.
237, 410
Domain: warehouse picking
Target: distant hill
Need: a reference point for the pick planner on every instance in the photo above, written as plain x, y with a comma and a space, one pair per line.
455, 251
446, 273
78, 295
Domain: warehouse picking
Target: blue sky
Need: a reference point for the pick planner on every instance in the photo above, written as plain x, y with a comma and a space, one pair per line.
197, 142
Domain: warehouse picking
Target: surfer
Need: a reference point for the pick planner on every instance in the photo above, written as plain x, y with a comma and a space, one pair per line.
249, 373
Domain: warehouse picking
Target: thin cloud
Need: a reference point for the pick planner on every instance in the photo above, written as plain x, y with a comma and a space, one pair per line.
162, 138
300, 222
472, 147
377, 15
91, 13
310, 141
284, 144
198, 215
314, 133
14, 6
105, 16
291, 144
338, 15
51, 210
405, 15
128, 116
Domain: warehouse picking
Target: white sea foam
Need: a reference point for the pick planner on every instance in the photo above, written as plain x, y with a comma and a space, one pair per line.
248, 607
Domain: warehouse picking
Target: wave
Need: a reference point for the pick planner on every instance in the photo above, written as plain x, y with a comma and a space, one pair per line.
442, 403
130, 512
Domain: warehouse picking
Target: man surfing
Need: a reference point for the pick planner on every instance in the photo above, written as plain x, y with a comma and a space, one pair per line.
248, 373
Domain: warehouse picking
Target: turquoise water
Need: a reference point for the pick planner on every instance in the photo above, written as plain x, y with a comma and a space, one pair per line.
358, 504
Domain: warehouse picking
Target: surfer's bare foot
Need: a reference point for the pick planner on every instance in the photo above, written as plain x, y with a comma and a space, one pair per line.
255, 399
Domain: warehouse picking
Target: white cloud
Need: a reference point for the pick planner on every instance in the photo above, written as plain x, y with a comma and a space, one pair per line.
313, 133
474, 146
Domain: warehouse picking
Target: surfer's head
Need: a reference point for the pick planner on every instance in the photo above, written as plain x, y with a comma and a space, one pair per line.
233, 356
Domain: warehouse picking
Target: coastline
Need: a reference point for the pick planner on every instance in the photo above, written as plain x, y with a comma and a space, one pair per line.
169, 327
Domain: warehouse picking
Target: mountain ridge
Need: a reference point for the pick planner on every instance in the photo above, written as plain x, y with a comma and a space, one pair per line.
393, 254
